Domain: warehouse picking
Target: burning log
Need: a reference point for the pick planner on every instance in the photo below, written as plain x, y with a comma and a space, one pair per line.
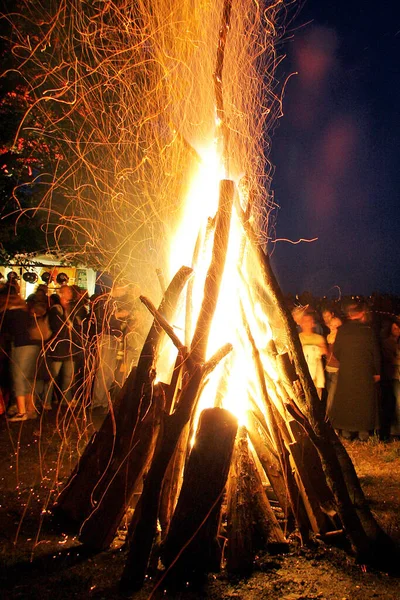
278, 434
189, 295
110, 448
191, 547
214, 273
363, 545
252, 525
141, 536
172, 390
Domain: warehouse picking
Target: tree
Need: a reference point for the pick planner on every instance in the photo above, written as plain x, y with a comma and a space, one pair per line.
118, 90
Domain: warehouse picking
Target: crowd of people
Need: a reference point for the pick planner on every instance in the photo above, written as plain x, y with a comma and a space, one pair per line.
64, 347
354, 361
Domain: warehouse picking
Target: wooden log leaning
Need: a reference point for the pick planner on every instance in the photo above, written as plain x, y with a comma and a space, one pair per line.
252, 525
269, 461
278, 432
318, 519
387, 553
317, 497
173, 389
113, 495
172, 482
142, 532
142, 535
215, 271
310, 405
309, 457
76, 501
191, 547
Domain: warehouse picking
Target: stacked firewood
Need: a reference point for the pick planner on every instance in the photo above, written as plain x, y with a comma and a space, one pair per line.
204, 505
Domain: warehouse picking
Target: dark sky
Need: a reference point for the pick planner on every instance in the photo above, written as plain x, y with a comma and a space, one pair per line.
336, 149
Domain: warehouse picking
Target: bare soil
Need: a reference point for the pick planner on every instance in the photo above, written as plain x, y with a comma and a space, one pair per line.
39, 560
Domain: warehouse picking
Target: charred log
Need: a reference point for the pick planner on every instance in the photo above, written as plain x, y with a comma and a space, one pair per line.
113, 440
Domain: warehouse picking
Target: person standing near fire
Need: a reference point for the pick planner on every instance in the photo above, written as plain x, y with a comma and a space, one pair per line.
332, 363
314, 348
354, 409
24, 323
63, 347
390, 413
112, 312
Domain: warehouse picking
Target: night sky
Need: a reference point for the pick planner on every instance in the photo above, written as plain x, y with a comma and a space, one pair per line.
336, 149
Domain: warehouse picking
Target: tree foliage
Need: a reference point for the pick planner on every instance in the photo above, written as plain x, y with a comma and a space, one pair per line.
119, 93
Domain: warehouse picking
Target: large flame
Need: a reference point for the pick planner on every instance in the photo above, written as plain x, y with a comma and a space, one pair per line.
235, 378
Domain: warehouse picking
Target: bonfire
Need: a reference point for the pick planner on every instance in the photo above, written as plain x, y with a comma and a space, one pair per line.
163, 110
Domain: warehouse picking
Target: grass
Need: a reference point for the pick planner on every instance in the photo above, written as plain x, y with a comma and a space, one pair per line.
392, 454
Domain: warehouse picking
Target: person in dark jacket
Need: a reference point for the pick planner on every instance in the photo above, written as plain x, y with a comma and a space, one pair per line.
354, 407
390, 417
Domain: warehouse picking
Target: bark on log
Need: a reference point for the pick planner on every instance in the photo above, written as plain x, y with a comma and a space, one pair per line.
141, 533
189, 295
74, 503
318, 519
285, 368
312, 463
240, 551
386, 551
76, 500
252, 525
173, 387
191, 547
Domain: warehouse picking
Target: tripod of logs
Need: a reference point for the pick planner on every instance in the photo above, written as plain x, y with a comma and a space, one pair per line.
216, 503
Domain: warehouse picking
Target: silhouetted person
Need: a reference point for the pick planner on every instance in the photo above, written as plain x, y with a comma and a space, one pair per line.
354, 408
391, 382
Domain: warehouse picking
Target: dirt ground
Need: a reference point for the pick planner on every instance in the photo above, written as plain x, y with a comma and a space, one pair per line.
38, 560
